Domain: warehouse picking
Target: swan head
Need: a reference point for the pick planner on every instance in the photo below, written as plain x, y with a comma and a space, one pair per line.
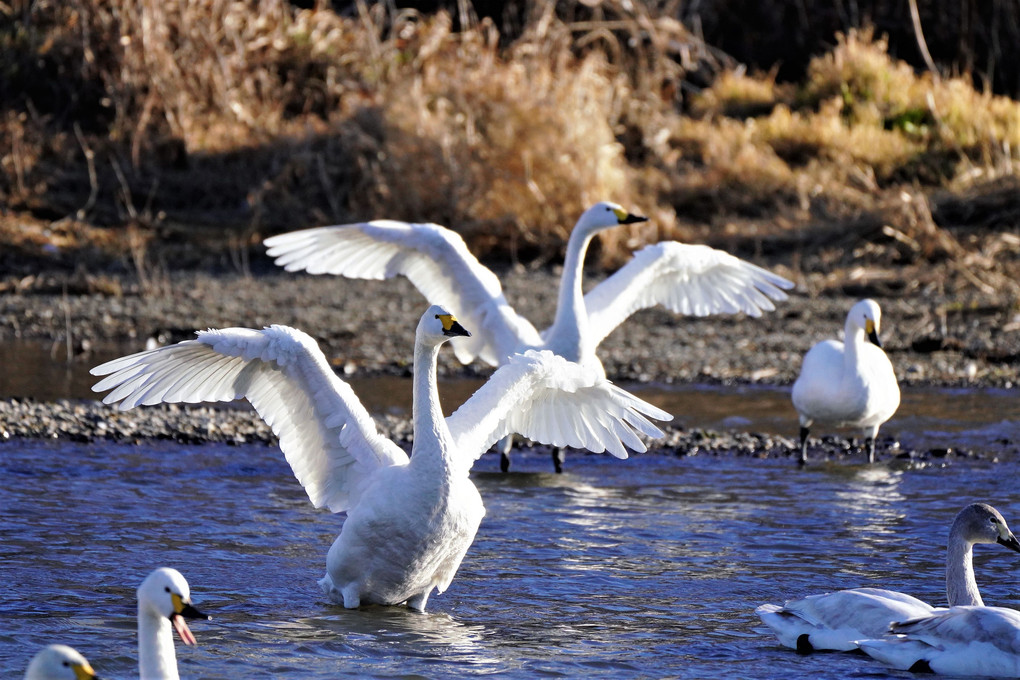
981, 523
165, 594
59, 662
867, 316
603, 215
437, 326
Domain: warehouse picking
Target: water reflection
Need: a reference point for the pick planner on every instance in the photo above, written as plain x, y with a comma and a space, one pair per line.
650, 566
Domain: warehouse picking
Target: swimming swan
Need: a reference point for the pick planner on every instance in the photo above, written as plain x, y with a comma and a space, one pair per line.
836, 621
409, 520
969, 641
688, 279
164, 602
850, 383
59, 662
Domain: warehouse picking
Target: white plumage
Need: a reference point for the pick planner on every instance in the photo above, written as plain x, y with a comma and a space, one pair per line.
164, 601
59, 662
837, 621
849, 383
409, 521
687, 279
967, 641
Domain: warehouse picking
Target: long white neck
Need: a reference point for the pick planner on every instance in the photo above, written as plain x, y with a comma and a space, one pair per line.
429, 423
157, 659
961, 588
568, 335
853, 341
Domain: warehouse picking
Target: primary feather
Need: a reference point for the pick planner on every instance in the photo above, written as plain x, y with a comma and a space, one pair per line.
695, 280
409, 520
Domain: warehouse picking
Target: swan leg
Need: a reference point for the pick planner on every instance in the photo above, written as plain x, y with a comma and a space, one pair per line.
417, 602
869, 444
558, 458
503, 446
803, 444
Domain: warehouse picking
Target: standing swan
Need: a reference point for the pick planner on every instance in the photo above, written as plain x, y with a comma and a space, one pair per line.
969, 641
164, 601
409, 520
688, 279
837, 621
59, 662
850, 383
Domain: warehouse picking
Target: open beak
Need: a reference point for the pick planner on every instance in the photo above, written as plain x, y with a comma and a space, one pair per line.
185, 610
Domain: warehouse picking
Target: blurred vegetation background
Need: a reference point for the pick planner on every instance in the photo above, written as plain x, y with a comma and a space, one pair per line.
848, 143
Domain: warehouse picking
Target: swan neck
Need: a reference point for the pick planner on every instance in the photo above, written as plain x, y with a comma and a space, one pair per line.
567, 336
427, 413
961, 587
157, 659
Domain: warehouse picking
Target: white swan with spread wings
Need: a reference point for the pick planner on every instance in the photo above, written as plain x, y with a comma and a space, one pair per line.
409, 520
687, 279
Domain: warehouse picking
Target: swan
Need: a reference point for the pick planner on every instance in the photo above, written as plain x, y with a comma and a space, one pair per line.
409, 520
850, 383
970, 641
59, 662
688, 279
164, 602
836, 621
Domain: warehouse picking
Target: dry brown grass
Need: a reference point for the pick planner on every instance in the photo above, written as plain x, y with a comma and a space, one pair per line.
215, 118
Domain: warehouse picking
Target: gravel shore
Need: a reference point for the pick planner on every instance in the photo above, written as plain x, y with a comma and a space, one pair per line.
367, 327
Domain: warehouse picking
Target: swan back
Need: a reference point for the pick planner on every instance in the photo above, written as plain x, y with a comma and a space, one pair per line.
59, 662
963, 641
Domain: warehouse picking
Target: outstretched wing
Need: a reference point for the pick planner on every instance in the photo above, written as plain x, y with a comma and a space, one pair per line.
554, 401
325, 433
436, 261
688, 279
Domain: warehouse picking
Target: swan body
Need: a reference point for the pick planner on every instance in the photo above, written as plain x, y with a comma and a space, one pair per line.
849, 383
409, 520
687, 279
969, 641
59, 662
164, 602
837, 621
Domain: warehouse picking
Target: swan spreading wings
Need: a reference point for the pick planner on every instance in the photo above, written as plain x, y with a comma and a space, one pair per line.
409, 520
687, 279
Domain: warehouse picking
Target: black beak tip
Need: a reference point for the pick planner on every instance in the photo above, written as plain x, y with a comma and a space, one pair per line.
633, 219
1012, 543
873, 337
191, 612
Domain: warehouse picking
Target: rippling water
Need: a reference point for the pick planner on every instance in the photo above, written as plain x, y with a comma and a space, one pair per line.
649, 567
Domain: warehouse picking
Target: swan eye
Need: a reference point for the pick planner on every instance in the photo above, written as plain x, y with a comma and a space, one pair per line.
65, 664
166, 589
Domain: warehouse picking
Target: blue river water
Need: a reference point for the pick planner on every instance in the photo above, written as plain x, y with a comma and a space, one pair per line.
648, 567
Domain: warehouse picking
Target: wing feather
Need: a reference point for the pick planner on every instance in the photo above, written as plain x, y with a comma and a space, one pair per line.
687, 279
327, 436
435, 259
553, 401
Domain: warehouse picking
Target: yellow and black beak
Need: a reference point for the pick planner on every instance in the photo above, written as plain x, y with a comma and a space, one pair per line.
872, 332
183, 610
452, 327
625, 217
83, 671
